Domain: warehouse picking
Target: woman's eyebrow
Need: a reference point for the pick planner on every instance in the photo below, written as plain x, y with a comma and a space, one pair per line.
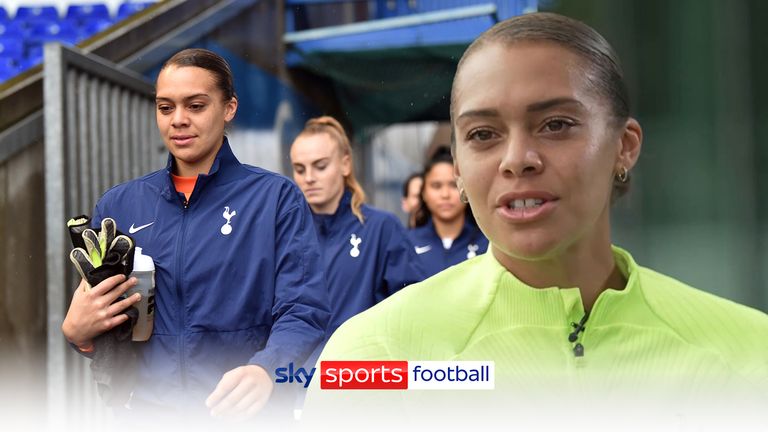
479, 113
534, 107
551, 103
194, 96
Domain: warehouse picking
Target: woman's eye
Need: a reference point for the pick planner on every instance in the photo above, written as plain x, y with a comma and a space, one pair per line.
196, 107
164, 109
480, 135
558, 125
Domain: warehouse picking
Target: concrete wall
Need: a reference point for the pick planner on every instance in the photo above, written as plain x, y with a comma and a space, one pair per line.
22, 280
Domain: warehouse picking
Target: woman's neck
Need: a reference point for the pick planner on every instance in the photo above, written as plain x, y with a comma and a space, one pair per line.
448, 229
329, 207
184, 169
589, 266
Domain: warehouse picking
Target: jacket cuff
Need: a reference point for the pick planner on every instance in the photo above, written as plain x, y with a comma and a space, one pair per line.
83, 352
267, 360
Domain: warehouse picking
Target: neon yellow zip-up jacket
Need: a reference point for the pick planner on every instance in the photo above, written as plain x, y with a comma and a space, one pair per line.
655, 333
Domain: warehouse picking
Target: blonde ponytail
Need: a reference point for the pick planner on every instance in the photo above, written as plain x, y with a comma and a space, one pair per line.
333, 128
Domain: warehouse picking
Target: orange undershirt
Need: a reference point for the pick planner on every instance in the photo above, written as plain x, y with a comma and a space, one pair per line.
184, 185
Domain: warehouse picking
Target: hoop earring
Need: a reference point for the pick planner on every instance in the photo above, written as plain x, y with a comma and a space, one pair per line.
462, 193
623, 175
463, 196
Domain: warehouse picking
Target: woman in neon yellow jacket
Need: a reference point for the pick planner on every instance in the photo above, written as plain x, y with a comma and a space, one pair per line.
543, 142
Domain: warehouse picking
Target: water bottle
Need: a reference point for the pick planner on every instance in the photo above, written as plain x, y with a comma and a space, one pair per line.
144, 271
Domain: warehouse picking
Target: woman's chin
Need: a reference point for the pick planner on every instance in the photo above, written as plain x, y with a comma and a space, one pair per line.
528, 250
447, 216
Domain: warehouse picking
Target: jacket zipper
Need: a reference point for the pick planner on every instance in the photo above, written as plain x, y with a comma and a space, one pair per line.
573, 337
180, 293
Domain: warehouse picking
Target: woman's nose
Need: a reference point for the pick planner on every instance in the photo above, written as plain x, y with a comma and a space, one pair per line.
179, 119
521, 157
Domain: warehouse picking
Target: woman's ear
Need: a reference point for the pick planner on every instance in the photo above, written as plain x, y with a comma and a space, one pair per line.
230, 109
346, 165
631, 140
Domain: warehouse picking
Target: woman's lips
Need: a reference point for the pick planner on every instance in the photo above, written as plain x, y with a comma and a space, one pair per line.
446, 207
182, 140
526, 206
527, 214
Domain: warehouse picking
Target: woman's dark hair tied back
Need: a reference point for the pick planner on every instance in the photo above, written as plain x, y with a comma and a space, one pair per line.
210, 61
600, 60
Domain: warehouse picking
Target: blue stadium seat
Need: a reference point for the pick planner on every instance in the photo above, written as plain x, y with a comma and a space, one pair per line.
4, 14
41, 31
83, 12
34, 53
8, 62
28, 62
37, 12
129, 8
9, 68
11, 47
91, 27
12, 29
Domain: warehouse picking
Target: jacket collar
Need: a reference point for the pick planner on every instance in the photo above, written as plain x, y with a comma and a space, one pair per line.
552, 303
467, 230
223, 170
324, 222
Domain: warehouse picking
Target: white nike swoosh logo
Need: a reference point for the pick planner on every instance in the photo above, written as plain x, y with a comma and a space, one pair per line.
423, 249
134, 230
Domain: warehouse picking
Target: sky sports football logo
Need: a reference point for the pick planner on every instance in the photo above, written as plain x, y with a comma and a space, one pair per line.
395, 375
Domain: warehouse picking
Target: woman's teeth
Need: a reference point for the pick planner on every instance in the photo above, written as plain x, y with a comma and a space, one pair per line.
526, 203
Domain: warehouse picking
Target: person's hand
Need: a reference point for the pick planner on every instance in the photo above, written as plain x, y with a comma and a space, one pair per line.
241, 393
92, 313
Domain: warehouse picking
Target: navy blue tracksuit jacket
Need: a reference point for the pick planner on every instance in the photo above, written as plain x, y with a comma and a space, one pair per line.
364, 262
435, 258
238, 276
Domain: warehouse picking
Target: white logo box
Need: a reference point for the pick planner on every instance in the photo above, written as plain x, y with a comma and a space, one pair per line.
451, 375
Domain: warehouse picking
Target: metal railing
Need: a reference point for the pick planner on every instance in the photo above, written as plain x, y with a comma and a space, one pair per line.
393, 23
99, 131
388, 14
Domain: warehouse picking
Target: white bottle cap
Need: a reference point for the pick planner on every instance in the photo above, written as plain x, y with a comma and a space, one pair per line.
142, 262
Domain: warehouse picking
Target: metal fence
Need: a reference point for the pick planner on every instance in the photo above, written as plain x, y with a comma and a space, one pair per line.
99, 131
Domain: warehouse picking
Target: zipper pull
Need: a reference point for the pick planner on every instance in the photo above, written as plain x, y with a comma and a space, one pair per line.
578, 350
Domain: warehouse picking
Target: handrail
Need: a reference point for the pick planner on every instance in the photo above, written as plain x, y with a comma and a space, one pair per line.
392, 23
310, 2
185, 34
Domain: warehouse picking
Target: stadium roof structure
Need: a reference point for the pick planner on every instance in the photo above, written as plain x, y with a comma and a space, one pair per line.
396, 69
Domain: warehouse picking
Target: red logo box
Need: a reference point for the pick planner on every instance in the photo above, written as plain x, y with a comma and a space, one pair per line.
364, 375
